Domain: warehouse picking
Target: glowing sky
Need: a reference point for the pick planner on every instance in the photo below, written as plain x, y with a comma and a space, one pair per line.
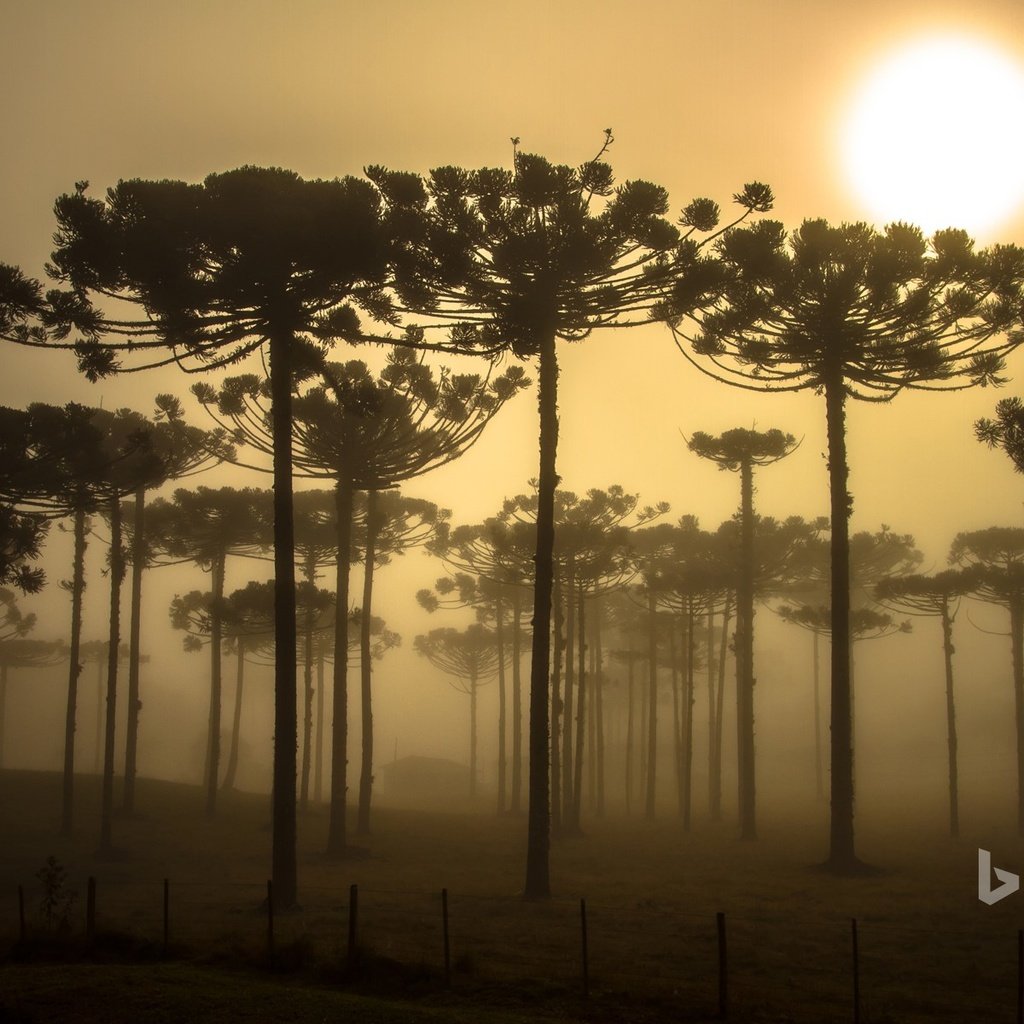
702, 96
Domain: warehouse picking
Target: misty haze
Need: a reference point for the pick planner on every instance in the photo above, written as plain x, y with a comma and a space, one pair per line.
460, 561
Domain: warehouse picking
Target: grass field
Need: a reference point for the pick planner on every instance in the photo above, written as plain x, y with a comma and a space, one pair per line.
929, 950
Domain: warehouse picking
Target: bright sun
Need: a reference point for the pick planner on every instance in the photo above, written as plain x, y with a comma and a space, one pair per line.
934, 136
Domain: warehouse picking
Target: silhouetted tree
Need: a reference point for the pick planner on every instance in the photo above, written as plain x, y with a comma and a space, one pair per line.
532, 255
994, 562
1006, 431
939, 596
182, 451
21, 534
501, 551
850, 312
739, 451
209, 525
15, 650
254, 259
470, 658
366, 433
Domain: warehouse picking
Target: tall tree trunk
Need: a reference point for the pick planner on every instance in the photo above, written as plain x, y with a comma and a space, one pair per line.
599, 705
1017, 648
307, 685
318, 771
712, 697
652, 704
629, 730
284, 856
97, 762
236, 719
688, 704
472, 736
677, 711
818, 765
3, 709
216, 683
568, 799
745, 657
842, 856
116, 578
366, 669
515, 805
556, 711
716, 768
134, 652
581, 720
77, 588
499, 614
951, 742
337, 836
538, 880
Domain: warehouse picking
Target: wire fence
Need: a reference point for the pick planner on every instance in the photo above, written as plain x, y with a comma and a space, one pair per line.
766, 964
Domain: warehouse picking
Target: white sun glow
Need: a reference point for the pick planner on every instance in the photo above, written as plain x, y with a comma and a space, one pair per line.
934, 136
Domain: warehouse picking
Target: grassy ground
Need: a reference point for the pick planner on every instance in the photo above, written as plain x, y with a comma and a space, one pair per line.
929, 951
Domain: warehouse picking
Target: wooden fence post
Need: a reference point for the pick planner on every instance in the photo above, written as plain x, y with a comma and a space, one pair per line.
723, 968
353, 923
1020, 976
90, 909
583, 938
856, 971
447, 947
167, 913
270, 923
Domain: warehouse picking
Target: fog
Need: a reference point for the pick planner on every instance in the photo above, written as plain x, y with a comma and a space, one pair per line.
701, 98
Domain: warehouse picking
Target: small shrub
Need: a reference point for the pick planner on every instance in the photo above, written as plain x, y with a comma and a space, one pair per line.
58, 899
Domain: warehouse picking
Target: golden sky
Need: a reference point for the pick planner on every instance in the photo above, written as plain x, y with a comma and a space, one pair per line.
702, 95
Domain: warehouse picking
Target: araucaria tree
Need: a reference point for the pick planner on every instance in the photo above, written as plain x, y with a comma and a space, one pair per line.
470, 658
850, 312
938, 595
994, 564
739, 451
527, 257
365, 432
255, 259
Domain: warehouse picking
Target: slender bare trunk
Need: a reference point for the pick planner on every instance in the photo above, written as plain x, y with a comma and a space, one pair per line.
538, 881
745, 657
568, 711
818, 758
556, 711
499, 615
652, 704
116, 578
74, 671
951, 740
581, 706
517, 704
318, 771
236, 719
1017, 647
842, 856
366, 670
629, 730
134, 652
3, 710
285, 836
716, 768
598, 702
337, 838
307, 685
216, 683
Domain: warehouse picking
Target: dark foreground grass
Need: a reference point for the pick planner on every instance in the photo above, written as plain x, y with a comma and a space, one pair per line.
929, 951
